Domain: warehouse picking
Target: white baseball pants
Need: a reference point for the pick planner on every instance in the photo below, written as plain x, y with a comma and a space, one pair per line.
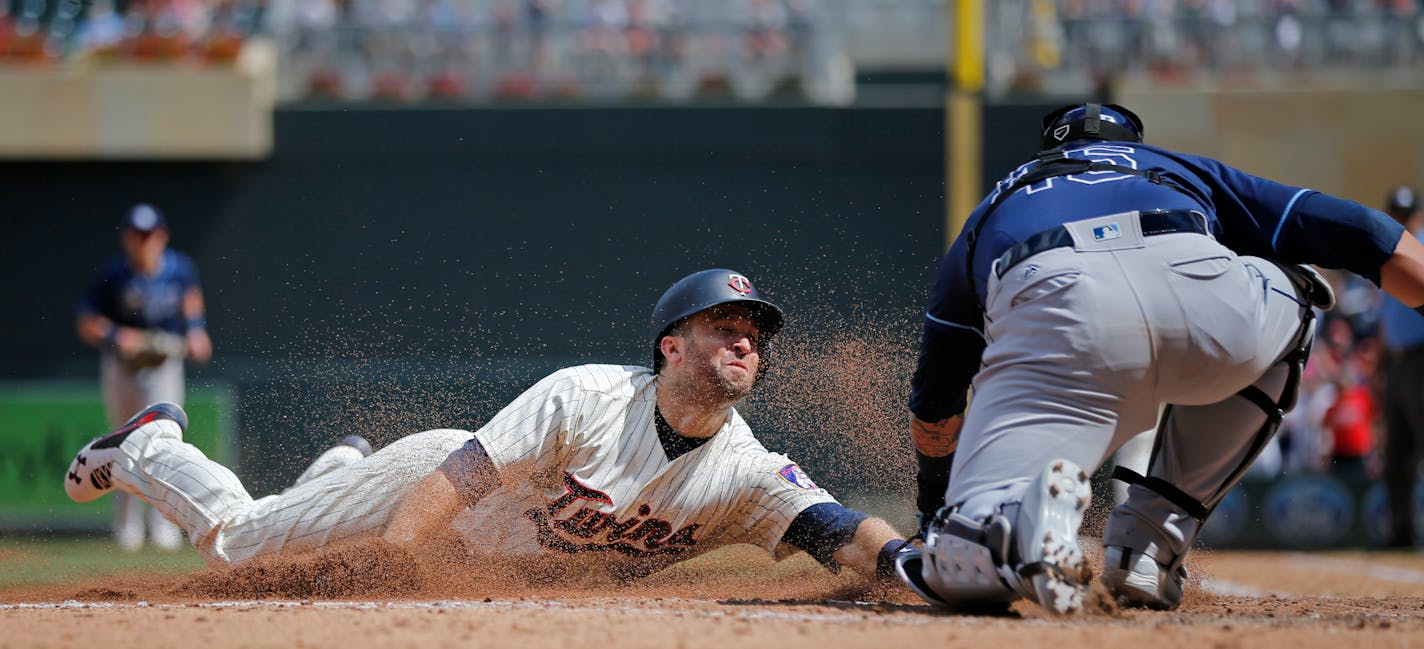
343, 500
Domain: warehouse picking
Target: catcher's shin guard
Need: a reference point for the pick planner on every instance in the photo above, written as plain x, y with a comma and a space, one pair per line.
1035, 555
962, 562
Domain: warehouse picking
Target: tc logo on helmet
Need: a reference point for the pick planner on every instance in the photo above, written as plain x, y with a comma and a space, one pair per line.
740, 284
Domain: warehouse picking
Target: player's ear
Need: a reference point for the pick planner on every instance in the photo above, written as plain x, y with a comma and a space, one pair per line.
672, 347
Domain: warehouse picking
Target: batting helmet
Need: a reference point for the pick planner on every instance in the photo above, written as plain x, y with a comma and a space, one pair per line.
1403, 199
1096, 121
706, 289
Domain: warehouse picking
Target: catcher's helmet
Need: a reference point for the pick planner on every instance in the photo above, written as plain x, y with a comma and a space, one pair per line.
1403, 200
706, 289
1095, 121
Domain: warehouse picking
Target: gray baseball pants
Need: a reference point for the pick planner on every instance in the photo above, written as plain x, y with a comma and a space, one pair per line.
1086, 342
127, 390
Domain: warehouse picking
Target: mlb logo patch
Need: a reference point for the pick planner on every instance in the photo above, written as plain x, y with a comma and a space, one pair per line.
798, 478
1107, 232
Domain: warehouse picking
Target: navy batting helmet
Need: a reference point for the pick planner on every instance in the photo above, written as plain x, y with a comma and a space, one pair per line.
706, 289
1403, 199
1096, 121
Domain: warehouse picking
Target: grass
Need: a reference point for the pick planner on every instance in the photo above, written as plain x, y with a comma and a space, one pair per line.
28, 561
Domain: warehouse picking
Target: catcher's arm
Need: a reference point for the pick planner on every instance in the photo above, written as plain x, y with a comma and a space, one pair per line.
935, 443
1402, 276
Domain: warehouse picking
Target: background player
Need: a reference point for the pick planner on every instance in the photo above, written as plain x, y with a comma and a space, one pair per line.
637, 467
1098, 280
1402, 332
144, 311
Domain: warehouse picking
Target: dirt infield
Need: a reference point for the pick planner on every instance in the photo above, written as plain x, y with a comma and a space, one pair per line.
358, 598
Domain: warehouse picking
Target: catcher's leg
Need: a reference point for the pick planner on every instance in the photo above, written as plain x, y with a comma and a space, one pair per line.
1200, 453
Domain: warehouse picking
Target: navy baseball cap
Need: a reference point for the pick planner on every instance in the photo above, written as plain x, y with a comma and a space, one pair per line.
144, 218
1403, 199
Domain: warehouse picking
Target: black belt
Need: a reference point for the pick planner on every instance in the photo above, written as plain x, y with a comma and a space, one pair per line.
1153, 223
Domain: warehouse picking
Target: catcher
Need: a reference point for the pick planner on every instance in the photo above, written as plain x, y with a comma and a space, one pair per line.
1099, 280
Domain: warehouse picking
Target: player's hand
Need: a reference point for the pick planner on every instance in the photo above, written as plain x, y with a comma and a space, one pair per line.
128, 342
199, 346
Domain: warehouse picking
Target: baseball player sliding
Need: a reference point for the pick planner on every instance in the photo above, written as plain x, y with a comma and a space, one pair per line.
1098, 280
642, 466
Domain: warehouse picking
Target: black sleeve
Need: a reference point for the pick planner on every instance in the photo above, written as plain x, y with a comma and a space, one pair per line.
949, 359
823, 528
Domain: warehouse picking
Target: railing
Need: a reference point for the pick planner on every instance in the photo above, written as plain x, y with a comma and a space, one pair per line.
676, 50
1077, 45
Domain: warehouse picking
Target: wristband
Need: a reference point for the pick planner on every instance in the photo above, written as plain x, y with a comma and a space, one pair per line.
197, 322
112, 338
931, 482
885, 560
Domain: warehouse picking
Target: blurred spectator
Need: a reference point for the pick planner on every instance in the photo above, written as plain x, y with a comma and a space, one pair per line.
1352, 418
1403, 334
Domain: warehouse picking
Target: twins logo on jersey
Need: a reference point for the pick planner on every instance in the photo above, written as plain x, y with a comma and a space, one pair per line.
792, 473
587, 529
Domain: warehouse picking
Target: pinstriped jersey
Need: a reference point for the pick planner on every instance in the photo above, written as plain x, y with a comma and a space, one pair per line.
583, 470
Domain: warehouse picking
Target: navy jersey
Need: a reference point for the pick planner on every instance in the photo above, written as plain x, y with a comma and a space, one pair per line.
133, 300
1251, 215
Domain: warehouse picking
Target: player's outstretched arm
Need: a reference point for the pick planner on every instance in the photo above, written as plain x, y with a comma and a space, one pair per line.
427, 509
1403, 275
871, 551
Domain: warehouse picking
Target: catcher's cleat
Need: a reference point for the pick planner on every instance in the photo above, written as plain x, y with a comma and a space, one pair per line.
90, 473
1137, 580
1050, 567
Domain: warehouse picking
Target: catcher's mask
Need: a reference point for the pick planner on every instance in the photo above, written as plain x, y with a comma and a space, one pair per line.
703, 290
1090, 121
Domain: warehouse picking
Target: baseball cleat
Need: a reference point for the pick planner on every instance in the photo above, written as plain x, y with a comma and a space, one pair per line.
359, 443
1137, 580
91, 472
1051, 569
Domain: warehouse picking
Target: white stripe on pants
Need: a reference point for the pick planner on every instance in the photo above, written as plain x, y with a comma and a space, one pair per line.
227, 525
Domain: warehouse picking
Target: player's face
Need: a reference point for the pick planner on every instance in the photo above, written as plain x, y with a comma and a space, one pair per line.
144, 249
723, 350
